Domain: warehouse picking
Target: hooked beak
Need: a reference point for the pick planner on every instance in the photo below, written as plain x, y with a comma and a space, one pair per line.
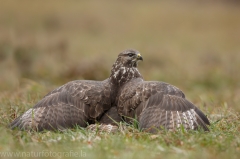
139, 57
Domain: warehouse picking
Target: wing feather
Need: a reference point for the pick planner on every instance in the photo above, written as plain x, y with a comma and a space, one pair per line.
75, 103
161, 106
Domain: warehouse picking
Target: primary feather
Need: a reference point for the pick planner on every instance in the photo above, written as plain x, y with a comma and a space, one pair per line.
75, 103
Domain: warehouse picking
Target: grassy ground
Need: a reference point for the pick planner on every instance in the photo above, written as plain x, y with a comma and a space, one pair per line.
192, 45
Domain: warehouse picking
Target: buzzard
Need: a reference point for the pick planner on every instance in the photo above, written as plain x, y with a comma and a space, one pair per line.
122, 96
154, 104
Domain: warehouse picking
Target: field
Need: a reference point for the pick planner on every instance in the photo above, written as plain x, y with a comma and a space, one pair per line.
192, 45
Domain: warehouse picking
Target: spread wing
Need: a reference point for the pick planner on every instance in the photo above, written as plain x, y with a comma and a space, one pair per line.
159, 105
75, 103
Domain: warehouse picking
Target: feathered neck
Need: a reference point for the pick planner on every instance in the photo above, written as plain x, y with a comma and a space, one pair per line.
121, 74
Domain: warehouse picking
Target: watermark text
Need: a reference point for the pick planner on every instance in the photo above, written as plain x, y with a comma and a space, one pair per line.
44, 153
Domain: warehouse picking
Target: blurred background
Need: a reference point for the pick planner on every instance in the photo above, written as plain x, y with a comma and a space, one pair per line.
194, 45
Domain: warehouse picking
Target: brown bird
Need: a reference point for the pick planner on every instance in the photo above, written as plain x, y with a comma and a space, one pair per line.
155, 105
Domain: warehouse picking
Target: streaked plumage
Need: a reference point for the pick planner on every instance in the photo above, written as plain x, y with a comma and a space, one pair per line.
124, 95
75, 103
156, 105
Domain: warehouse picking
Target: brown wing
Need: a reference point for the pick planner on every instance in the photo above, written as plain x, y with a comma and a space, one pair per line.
75, 103
159, 105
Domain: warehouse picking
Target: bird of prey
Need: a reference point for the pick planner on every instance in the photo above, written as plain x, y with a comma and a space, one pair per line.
155, 105
124, 94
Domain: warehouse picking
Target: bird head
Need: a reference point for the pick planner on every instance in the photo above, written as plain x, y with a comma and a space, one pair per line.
125, 67
129, 58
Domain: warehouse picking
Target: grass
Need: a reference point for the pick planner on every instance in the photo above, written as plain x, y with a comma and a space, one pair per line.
194, 46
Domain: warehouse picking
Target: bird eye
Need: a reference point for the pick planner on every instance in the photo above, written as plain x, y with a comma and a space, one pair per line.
130, 54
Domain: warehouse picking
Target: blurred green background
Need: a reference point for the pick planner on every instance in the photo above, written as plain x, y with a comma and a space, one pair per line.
194, 45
